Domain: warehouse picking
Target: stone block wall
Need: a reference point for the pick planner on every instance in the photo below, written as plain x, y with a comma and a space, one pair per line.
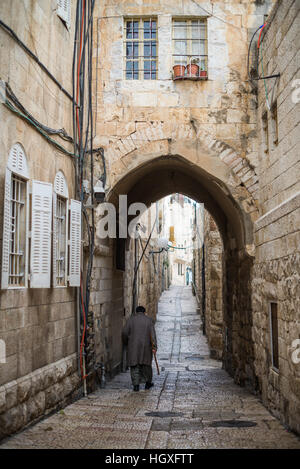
223, 105
277, 231
38, 326
27, 399
208, 279
213, 287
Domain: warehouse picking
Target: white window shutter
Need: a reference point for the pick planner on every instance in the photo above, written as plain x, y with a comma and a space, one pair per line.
64, 11
40, 260
54, 241
17, 161
75, 243
6, 230
60, 185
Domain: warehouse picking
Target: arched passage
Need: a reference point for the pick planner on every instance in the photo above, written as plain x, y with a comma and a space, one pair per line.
162, 175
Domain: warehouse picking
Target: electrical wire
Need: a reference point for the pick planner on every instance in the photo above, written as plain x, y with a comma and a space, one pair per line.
12, 34
53, 142
249, 50
140, 260
60, 132
83, 140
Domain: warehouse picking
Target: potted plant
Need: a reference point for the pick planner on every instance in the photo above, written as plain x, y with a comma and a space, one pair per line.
203, 73
192, 68
178, 71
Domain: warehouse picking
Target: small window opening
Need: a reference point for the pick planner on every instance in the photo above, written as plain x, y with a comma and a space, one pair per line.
265, 130
274, 123
274, 335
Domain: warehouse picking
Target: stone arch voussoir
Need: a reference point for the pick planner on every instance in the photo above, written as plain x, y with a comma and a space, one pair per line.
160, 136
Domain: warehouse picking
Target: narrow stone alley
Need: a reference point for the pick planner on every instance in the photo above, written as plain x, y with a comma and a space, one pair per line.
194, 403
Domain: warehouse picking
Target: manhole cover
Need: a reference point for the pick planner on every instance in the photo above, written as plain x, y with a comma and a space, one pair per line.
164, 414
233, 423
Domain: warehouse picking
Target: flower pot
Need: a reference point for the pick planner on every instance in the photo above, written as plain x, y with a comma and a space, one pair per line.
178, 71
192, 70
203, 73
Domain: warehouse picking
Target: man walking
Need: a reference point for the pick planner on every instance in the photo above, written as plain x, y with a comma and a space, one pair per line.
139, 335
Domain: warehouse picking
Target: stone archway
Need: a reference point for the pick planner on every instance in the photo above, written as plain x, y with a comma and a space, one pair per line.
168, 158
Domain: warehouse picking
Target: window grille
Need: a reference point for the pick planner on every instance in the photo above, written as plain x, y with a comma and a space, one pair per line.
17, 246
141, 49
15, 221
190, 48
60, 238
60, 231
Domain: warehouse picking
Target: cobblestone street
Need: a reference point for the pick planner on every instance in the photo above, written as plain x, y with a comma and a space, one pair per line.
194, 403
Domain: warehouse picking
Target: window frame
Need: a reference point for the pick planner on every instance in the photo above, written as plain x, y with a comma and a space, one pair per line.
274, 123
141, 58
19, 234
60, 192
265, 132
189, 40
16, 166
273, 366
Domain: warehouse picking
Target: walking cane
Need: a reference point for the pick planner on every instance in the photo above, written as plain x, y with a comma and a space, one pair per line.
154, 353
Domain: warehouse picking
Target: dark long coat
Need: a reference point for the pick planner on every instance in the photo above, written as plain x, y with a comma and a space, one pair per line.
137, 335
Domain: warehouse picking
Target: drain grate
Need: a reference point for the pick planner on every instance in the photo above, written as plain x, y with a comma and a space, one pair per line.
233, 423
164, 414
194, 357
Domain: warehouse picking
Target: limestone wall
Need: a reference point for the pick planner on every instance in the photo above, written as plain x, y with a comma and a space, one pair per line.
213, 286
37, 325
277, 235
27, 399
223, 105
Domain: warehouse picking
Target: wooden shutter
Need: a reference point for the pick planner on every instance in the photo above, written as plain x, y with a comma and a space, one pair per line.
75, 243
6, 230
40, 260
64, 11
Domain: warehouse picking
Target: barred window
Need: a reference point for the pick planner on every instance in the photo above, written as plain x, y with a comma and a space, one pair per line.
61, 247
15, 221
141, 49
16, 276
274, 335
60, 230
190, 48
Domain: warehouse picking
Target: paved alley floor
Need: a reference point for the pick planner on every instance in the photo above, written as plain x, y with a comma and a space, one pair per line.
194, 403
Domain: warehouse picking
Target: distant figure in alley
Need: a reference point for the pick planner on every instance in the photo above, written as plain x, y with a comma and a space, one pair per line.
140, 337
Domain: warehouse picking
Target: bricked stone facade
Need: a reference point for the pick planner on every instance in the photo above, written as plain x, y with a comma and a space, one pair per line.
199, 138
277, 235
212, 269
37, 325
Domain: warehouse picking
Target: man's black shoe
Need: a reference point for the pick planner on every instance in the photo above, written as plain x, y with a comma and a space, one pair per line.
136, 387
149, 385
